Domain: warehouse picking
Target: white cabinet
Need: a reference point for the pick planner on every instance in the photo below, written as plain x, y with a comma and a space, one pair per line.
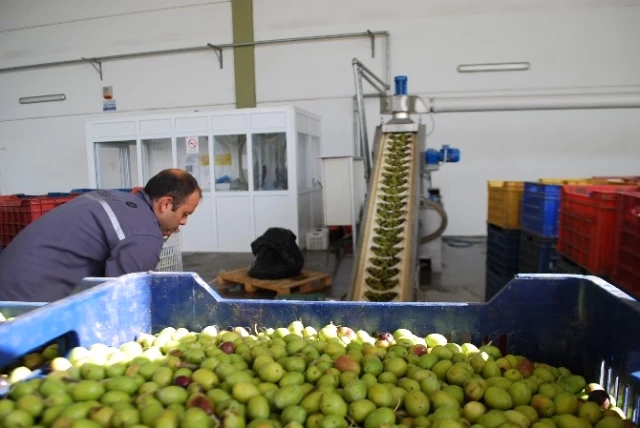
258, 168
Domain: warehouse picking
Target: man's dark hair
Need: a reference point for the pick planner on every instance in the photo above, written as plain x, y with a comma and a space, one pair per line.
176, 183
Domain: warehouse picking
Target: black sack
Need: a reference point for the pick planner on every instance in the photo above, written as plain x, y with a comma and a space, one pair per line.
276, 254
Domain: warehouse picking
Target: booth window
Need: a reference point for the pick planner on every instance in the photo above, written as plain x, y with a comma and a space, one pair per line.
270, 161
230, 162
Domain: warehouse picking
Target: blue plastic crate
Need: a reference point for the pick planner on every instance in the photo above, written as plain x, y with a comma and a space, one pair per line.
537, 254
540, 207
495, 280
502, 248
559, 319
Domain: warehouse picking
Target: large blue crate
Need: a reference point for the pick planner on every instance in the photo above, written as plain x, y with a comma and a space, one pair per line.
580, 322
537, 254
540, 207
502, 247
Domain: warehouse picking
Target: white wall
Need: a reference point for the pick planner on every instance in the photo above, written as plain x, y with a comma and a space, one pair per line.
573, 45
42, 141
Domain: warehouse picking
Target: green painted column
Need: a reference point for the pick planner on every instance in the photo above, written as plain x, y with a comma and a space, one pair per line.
244, 57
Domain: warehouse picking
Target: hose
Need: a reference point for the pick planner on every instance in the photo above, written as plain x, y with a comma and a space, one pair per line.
443, 225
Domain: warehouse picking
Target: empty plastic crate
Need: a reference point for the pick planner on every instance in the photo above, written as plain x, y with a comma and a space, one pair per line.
626, 269
502, 249
562, 320
540, 206
505, 203
18, 212
588, 225
537, 254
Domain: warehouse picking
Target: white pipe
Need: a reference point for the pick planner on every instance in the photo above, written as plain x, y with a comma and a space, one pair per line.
534, 102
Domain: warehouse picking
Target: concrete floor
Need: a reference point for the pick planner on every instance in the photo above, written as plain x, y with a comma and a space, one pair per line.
462, 278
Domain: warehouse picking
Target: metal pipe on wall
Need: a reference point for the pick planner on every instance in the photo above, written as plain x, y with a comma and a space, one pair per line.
362, 124
100, 59
533, 102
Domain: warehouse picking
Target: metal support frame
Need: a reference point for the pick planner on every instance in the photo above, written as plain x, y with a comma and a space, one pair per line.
93, 62
217, 48
360, 71
218, 52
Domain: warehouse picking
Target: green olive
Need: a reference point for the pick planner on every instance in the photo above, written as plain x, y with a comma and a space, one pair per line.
385, 241
381, 284
386, 252
390, 222
380, 297
382, 274
384, 262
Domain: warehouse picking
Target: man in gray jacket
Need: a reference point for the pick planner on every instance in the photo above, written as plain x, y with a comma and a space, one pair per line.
100, 234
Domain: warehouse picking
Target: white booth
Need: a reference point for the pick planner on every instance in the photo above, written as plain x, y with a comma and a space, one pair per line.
258, 168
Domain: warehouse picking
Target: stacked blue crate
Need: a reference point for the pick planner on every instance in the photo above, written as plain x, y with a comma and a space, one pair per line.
540, 225
502, 258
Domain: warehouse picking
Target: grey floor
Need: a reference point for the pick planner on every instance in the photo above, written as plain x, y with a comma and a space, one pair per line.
462, 278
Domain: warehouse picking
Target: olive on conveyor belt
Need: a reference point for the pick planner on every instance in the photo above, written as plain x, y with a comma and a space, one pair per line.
384, 241
381, 273
397, 163
392, 175
392, 199
380, 297
394, 159
399, 150
395, 170
386, 252
389, 223
384, 262
386, 211
381, 284
395, 181
388, 233
394, 191
392, 207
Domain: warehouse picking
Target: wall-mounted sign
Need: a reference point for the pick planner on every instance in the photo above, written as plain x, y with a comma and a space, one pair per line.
108, 105
193, 145
223, 159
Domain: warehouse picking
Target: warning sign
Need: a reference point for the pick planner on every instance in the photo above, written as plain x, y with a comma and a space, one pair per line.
193, 146
223, 159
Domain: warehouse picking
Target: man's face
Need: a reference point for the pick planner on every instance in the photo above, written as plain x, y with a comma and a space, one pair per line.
170, 220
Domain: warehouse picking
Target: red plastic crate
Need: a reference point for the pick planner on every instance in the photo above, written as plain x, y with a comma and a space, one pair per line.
627, 248
16, 213
588, 225
617, 180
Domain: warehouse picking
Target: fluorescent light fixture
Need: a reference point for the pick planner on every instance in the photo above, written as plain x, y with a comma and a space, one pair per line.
504, 66
43, 98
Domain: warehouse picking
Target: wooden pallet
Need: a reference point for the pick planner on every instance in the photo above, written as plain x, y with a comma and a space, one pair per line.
307, 282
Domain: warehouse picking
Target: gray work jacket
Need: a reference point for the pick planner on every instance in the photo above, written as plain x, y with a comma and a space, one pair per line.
102, 233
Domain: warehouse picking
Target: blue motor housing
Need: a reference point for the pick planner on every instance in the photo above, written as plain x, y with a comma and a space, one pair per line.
445, 154
401, 85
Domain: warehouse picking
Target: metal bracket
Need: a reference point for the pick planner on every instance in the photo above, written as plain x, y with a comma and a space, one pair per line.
218, 52
372, 37
93, 62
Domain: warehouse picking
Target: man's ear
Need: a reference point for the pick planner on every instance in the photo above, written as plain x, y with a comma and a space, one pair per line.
166, 203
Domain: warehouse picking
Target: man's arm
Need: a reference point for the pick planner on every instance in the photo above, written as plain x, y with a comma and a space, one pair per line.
139, 253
